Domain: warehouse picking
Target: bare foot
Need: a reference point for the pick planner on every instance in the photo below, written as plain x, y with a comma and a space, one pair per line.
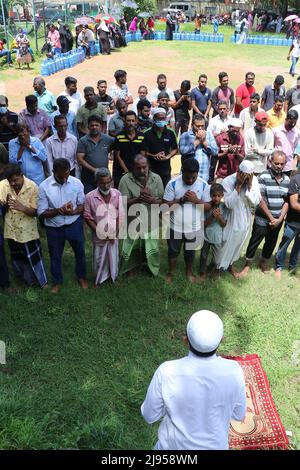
233, 271
83, 283
243, 273
45, 286
169, 279
192, 278
264, 267
55, 289
278, 274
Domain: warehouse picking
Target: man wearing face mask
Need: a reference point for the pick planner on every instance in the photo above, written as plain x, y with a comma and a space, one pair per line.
104, 214
287, 139
60, 204
8, 122
127, 145
259, 143
270, 213
160, 145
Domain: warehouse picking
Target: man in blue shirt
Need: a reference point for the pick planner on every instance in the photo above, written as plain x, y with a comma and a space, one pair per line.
29, 153
199, 144
201, 97
63, 104
61, 204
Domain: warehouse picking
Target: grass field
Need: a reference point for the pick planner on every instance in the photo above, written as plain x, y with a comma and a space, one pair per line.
79, 363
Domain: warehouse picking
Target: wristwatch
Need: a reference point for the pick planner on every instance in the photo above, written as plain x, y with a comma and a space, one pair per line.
30, 148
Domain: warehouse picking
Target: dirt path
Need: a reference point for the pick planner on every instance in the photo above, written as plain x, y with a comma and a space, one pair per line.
143, 63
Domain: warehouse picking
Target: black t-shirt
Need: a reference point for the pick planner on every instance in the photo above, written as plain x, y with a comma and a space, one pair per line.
143, 126
182, 112
293, 217
105, 100
155, 143
128, 150
7, 134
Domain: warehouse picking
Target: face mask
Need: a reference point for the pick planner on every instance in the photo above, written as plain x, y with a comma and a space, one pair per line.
161, 124
104, 193
3, 109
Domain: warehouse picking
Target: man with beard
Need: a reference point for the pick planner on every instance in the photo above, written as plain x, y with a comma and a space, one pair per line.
161, 86
247, 115
92, 152
287, 138
241, 195
144, 111
243, 93
117, 122
219, 123
270, 213
160, 145
231, 150
128, 144
222, 93
90, 108
142, 189
259, 143
104, 214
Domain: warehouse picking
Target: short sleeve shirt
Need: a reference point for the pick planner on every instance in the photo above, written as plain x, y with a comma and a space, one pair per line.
201, 97
163, 142
244, 93
186, 218
96, 154
293, 217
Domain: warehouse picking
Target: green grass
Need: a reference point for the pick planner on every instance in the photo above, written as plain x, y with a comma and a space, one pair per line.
79, 363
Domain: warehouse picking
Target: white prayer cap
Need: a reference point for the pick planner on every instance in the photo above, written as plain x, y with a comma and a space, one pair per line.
205, 331
235, 122
246, 167
158, 110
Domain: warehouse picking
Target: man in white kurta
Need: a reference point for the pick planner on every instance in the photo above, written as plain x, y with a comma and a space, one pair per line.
241, 194
197, 396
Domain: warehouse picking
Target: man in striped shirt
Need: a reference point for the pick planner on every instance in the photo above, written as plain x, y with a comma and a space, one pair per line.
270, 213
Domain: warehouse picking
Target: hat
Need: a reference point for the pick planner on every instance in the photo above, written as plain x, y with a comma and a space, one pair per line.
261, 115
235, 122
246, 167
62, 100
158, 110
204, 331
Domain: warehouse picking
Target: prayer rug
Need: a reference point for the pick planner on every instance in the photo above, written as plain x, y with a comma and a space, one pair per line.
262, 428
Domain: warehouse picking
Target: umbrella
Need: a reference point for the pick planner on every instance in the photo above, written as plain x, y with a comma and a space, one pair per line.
85, 20
129, 4
291, 17
297, 20
106, 18
144, 14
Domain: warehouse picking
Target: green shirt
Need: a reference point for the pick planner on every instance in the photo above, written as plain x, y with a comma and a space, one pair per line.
84, 113
46, 101
130, 187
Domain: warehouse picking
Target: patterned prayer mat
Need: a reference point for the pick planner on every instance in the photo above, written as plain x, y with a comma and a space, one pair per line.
262, 428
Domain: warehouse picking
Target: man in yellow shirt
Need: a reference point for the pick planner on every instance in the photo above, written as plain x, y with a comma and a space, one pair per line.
18, 195
276, 114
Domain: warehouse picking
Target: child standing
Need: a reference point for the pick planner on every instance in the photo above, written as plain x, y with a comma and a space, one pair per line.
215, 221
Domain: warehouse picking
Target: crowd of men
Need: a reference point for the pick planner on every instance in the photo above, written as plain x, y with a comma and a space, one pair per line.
104, 158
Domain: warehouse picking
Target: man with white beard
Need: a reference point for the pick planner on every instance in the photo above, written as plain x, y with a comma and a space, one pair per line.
241, 194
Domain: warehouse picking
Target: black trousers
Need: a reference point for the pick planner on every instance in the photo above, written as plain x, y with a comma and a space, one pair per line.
260, 233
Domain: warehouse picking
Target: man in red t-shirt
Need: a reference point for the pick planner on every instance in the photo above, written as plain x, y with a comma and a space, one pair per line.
243, 93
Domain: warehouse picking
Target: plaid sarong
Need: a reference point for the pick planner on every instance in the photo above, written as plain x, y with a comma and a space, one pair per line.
27, 261
138, 251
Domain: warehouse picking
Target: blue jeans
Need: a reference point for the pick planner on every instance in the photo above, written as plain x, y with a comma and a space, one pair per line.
293, 66
6, 52
56, 237
288, 236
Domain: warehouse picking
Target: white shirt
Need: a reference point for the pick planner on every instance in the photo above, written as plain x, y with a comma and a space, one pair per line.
187, 217
247, 117
76, 100
119, 93
218, 125
258, 148
296, 49
53, 195
154, 94
196, 398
